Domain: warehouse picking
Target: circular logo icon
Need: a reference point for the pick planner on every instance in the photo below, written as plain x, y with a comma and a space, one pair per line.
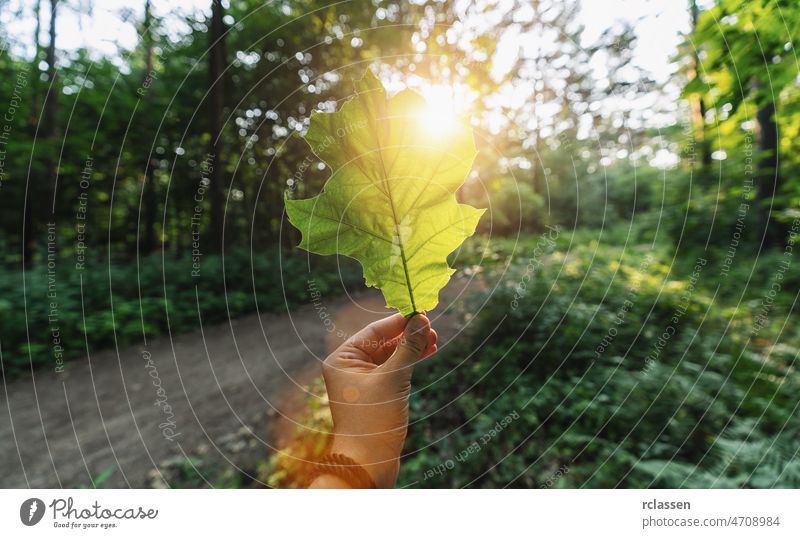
31, 512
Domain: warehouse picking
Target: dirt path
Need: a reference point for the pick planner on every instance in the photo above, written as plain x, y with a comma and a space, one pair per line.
227, 389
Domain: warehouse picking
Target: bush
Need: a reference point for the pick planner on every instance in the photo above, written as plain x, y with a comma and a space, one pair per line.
513, 208
596, 404
115, 306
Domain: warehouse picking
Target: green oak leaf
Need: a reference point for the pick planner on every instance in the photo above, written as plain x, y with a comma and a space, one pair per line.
390, 201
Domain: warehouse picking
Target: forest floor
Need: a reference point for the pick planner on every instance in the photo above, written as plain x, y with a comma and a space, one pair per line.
229, 394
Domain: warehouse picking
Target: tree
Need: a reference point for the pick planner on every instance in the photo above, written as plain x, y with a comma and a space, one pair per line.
27, 225
51, 98
216, 63
149, 195
749, 65
698, 101
38, 206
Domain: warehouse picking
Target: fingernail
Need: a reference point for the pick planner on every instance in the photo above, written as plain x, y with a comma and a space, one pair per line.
417, 325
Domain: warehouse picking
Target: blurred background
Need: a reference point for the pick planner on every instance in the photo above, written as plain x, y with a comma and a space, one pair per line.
625, 317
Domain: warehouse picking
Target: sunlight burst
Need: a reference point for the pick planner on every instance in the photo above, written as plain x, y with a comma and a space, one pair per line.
439, 117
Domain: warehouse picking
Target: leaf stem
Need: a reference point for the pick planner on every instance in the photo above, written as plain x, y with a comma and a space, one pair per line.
405, 270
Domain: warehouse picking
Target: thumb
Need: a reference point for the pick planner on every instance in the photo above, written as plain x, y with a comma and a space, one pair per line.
412, 344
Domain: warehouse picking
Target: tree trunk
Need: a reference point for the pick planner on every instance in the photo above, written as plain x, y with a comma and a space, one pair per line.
149, 197
37, 48
536, 177
698, 103
768, 175
27, 224
51, 99
39, 205
216, 59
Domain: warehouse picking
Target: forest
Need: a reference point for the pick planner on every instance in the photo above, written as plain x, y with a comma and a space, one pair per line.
628, 315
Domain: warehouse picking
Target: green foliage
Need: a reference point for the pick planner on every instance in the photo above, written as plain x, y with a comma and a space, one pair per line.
604, 403
103, 306
513, 208
194, 472
743, 78
390, 202
727, 32
290, 466
744, 457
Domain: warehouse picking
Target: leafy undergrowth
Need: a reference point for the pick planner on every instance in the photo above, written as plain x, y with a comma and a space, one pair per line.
35, 333
290, 467
603, 367
194, 472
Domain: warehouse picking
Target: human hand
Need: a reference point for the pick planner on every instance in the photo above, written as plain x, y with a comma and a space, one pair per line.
368, 379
